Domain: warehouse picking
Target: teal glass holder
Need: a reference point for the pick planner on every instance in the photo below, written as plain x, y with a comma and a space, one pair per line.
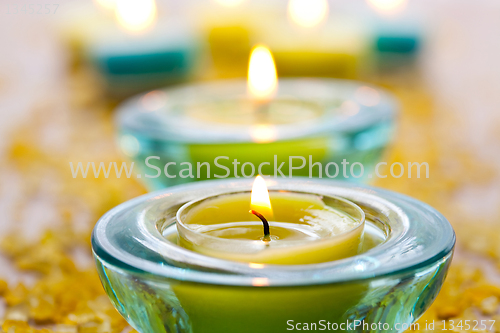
159, 286
317, 120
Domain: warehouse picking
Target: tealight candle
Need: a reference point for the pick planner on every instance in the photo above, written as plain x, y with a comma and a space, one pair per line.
312, 42
229, 28
159, 286
397, 32
136, 49
185, 134
302, 228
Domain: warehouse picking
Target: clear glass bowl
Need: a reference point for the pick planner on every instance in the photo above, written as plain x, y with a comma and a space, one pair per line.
321, 120
160, 287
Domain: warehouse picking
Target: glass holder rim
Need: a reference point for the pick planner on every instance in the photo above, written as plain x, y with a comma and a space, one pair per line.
420, 236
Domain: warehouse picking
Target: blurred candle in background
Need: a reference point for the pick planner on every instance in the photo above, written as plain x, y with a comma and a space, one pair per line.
229, 28
397, 32
143, 49
134, 45
235, 128
308, 39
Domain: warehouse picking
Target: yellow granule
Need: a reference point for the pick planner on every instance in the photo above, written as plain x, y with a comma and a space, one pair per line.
60, 296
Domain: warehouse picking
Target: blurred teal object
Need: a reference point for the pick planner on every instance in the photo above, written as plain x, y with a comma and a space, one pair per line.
174, 62
397, 44
131, 63
399, 36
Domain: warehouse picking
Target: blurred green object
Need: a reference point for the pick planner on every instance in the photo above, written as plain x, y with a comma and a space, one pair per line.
316, 64
229, 50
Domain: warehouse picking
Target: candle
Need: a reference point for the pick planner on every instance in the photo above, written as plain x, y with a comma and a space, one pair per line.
159, 286
302, 228
238, 129
137, 49
311, 41
229, 28
397, 32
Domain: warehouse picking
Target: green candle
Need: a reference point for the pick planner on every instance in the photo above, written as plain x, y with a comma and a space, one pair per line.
264, 309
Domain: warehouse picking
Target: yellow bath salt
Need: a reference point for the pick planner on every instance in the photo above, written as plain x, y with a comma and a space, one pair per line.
3, 287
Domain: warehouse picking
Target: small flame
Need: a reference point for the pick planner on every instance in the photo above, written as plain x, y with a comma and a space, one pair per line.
388, 6
260, 200
262, 76
307, 13
229, 3
136, 15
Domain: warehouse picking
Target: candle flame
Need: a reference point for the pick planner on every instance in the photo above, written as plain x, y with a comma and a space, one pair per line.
260, 200
307, 13
388, 6
262, 76
136, 15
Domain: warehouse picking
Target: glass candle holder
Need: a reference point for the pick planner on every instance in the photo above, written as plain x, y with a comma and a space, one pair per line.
159, 286
216, 130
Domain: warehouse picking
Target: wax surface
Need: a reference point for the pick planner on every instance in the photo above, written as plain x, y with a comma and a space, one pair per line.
303, 230
296, 217
253, 230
